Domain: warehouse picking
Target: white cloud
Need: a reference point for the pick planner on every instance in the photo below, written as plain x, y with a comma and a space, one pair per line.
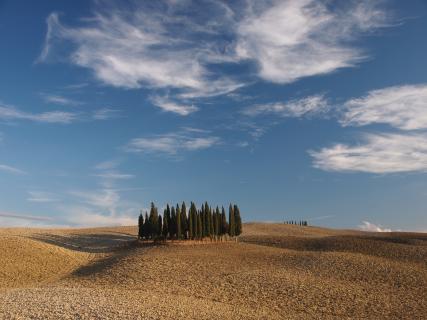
170, 106
311, 105
371, 227
105, 114
379, 153
10, 169
300, 38
153, 45
171, 144
103, 199
114, 175
81, 216
57, 99
23, 216
41, 196
105, 165
403, 107
12, 113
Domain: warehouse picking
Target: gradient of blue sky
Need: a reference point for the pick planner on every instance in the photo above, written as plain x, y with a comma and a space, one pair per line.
293, 109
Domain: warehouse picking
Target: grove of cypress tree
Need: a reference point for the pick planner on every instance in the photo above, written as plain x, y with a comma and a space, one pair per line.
231, 225
237, 221
195, 222
178, 222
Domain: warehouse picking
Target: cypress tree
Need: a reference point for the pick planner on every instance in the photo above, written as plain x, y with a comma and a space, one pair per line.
224, 221
216, 224
195, 222
173, 222
165, 225
190, 222
199, 226
159, 226
153, 223
140, 226
146, 229
211, 225
184, 220
178, 222
231, 226
237, 221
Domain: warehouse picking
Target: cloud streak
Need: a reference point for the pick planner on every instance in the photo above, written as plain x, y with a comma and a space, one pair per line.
171, 144
379, 153
9, 113
403, 107
308, 106
10, 169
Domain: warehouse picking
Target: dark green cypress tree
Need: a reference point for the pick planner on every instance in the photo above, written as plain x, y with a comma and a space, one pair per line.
165, 225
140, 226
146, 229
231, 226
190, 222
237, 221
218, 221
173, 223
224, 221
211, 223
153, 221
178, 222
184, 220
199, 226
195, 222
159, 226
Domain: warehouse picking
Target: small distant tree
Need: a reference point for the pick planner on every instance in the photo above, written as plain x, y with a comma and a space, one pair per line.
231, 226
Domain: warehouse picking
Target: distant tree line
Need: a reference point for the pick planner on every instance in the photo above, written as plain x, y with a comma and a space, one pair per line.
298, 223
176, 223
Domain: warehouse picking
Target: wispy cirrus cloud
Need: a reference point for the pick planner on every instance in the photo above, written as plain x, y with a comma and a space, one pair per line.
403, 107
308, 106
290, 40
41, 197
153, 45
58, 99
105, 114
171, 143
10, 113
10, 169
168, 105
372, 227
169, 45
378, 153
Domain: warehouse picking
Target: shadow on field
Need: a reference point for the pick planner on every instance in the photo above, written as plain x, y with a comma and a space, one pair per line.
404, 247
91, 243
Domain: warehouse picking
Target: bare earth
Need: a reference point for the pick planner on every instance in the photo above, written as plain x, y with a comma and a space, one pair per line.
275, 271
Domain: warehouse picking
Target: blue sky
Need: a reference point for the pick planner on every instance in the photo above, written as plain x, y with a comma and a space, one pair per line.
307, 109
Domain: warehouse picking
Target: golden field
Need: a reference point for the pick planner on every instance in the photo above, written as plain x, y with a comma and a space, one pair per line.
274, 271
